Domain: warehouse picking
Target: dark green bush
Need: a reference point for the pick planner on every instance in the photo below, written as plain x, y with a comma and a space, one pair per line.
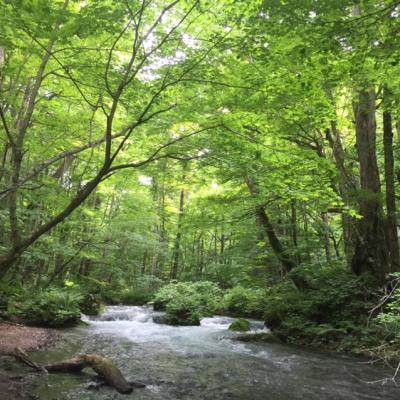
90, 304
242, 301
141, 291
183, 310
332, 304
53, 307
186, 303
135, 296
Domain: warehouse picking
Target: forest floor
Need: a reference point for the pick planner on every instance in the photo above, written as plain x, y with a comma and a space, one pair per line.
14, 383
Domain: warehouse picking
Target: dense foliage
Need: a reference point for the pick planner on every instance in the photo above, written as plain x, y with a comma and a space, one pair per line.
51, 307
187, 303
215, 156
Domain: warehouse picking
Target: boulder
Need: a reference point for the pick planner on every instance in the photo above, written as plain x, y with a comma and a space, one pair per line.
240, 325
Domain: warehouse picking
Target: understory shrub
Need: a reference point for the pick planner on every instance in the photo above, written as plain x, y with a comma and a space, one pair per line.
331, 306
242, 301
52, 307
90, 304
186, 303
141, 291
389, 317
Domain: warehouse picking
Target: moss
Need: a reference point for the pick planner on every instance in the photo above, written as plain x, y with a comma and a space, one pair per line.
240, 325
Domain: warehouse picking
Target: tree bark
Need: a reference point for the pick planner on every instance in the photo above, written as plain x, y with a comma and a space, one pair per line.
177, 245
268, 231
103, 366
347, 186
293, 222
393, 241
370, 248
326, 238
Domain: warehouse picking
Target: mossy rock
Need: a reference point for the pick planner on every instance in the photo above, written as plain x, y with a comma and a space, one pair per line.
240, 325
266, 337
159, 305
182, 318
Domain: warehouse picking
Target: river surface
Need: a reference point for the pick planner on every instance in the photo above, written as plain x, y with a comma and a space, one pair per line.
205, 363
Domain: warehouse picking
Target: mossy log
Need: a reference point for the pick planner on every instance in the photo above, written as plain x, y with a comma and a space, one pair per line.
103, 366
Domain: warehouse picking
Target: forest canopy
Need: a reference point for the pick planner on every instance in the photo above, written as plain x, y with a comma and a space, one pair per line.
252, 145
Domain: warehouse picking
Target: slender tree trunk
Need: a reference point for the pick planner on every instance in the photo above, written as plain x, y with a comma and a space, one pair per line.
200, 261
327, 244
177, 244
393, 241
144, 263
293, 222
347, 187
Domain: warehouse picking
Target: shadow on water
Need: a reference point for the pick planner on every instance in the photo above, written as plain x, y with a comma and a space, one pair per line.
204, 363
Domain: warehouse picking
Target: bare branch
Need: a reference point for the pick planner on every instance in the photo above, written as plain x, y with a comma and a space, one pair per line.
154, 155
6, 128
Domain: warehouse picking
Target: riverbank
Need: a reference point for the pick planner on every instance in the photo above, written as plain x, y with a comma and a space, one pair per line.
15, 383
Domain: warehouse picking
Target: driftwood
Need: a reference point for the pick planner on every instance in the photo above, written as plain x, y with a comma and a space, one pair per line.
20, 355
103, 366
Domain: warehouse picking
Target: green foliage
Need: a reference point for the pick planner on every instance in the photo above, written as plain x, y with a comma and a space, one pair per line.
90, 304
135, 296
183, 310
389, 317
278, 93
240, 325
186, 303
138, 292
333, 304
244, 301
52, 307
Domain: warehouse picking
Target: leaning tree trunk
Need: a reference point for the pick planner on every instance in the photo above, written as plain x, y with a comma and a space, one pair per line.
268, 231
347, 186
370, 249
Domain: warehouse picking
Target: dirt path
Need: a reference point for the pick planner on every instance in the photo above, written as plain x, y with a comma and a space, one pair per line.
14, 383
26, 337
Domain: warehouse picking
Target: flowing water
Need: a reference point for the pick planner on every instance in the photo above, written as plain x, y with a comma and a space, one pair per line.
204, 362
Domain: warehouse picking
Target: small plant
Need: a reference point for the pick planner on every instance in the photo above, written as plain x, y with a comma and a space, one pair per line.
389, 317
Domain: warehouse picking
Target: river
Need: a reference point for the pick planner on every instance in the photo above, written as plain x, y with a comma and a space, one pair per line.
204, 362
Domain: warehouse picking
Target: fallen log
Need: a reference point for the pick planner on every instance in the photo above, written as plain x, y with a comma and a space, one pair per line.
20, 355
103, 366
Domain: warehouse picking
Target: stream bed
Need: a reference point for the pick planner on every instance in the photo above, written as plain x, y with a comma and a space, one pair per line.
203, 362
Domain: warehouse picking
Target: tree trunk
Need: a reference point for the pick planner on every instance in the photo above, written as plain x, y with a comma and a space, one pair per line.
177, 245
103, 366
293, 223
392, 237
268, 231
326, 238
370, 249
347, 187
